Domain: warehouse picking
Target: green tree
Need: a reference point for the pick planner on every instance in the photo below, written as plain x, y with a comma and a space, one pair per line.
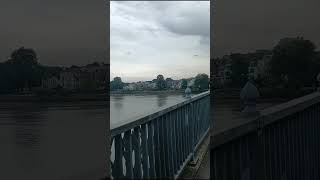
202, 82
24, 56
239, 69
291, 61
24, 63
161, 83
184, 84
116, 84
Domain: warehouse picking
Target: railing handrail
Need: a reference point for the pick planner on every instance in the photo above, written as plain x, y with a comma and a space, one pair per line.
157, 113
266, 116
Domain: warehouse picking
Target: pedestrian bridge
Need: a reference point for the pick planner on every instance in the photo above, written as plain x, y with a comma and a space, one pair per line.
161, 144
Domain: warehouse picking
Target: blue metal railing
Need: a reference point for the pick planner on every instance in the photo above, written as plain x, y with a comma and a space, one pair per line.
159, 145
283, 142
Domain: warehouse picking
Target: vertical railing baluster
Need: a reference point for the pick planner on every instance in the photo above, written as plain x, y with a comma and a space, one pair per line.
196, 117
299, 146
163, 159
111, 162
178, 140
137, 152
118, 165
295, 148
128, 154
145, 156
305, 150
174, 141
151, 149
184, 131
157, 148
180, 136
193, 124
312, 148
316, 141
172, 149
199, 117
191, 128
168, 144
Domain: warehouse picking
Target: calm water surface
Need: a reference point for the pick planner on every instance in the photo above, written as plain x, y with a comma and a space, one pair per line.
52, 141
126, 108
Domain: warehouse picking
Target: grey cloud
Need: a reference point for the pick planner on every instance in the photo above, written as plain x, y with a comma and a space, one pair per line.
161, 35
49, 25
189, 20
247, 25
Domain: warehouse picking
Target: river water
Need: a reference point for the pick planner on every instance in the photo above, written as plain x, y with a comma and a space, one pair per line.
52, 141
65, 141
127, 108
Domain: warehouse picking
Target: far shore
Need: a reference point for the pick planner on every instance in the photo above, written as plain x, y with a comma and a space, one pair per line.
146, 92
150, 92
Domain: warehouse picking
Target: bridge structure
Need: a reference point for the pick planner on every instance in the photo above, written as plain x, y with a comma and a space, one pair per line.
160, 144
279, 142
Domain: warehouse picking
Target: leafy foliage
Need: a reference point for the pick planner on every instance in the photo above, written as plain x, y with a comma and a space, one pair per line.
201, 82
116, 84
20, 71
184, 84
292, 61
161, 83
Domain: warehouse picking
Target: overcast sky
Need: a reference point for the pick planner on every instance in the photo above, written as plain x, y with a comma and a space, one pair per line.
63, 32
148, 38
247, 25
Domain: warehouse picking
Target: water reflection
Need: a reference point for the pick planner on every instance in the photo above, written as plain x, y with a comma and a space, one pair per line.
162, 99
118, 101
38, 139
29, 121
128, 107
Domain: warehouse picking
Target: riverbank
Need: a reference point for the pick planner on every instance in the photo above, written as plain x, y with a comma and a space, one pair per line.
148, 92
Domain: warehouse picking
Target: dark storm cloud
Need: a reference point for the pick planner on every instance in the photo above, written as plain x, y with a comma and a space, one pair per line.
63, 32
196, 22
247, 25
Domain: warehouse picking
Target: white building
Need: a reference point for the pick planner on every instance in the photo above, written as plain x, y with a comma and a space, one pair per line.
260, 68
221, 71
51, 83
70, 80
263, 66
130, 87
191, 82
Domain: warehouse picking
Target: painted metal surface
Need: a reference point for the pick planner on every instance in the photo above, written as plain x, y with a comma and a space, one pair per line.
282, 143
160, 144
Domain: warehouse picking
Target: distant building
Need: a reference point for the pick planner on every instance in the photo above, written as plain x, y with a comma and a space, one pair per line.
191, 82
260, 68
252, 69
263, 66
97, 72
221, 71
91, 76
51, 83
130, 87
176, 84
70, 80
